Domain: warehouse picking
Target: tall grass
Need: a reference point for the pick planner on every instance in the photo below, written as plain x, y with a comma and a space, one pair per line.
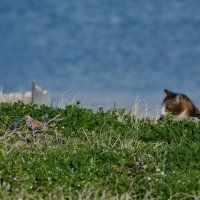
106, 154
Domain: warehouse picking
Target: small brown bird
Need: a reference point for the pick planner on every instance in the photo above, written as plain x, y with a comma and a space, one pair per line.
35, 125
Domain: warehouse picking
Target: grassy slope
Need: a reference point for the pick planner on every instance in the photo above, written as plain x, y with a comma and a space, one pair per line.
100, 155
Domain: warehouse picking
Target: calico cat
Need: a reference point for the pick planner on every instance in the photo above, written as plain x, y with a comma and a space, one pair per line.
179, 105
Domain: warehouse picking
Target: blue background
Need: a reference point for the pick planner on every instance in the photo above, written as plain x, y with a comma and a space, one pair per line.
101, 51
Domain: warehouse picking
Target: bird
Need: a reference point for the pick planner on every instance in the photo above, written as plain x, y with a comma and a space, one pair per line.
35, 125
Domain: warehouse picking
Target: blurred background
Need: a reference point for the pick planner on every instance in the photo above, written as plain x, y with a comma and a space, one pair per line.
101, 51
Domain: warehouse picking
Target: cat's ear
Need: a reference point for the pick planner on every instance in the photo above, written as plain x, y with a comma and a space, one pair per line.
167, 92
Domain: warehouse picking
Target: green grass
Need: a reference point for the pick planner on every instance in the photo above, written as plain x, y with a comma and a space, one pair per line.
97, 155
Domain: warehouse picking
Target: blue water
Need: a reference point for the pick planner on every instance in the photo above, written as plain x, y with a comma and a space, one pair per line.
101, 51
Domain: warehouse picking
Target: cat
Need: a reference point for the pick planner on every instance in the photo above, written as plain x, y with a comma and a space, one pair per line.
179, 105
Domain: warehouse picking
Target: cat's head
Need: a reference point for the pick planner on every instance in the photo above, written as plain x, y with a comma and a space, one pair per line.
174, 103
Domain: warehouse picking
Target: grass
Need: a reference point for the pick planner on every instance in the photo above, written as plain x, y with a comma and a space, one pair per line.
97, 155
